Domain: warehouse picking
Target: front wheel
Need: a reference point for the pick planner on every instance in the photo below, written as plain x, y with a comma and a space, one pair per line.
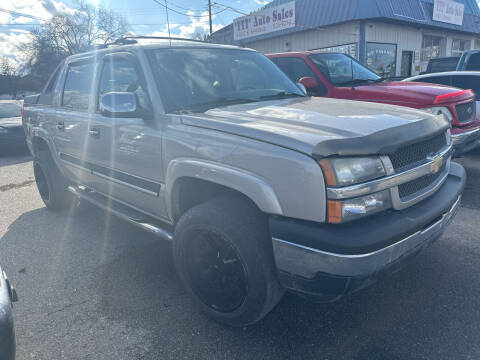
223, 255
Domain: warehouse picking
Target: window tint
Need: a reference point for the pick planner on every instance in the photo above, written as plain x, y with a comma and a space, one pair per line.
120, 75
467, 82
296, 68
441, 80
46, 97
77, 86
206, 78
53, 81
440, 65
474, 62
246, 75
342, 70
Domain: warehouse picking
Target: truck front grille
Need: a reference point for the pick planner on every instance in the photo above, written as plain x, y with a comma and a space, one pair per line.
408, 156
466, 112
417, 185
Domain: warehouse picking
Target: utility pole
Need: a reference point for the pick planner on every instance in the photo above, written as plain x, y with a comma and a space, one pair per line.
210, 14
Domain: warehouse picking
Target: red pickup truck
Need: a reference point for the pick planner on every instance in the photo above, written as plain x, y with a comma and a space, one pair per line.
340, 76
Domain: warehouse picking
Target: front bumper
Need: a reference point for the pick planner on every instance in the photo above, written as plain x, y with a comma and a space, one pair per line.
465, 141
325, 262
7, 332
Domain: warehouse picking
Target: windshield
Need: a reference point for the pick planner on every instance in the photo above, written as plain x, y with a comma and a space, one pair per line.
341, 69
9, 109
199, 79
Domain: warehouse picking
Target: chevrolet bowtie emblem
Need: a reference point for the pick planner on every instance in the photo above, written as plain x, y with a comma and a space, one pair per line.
436, 164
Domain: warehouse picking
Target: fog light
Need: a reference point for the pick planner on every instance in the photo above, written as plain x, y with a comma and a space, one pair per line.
351, 209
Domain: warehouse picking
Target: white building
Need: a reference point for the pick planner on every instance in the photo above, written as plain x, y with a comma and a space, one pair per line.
393, 37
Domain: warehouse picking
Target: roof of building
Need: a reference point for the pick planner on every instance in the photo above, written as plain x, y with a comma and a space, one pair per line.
315, 13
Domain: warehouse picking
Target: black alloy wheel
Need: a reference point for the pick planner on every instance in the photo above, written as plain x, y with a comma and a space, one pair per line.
216, 271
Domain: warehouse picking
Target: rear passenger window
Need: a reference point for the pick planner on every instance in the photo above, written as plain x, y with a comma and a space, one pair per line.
120, 75
78, 84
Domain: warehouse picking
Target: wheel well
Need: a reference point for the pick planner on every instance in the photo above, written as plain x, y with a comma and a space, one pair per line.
39, 144
188, 192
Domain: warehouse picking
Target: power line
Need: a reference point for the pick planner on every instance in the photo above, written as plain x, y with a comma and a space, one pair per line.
231, 8
189, 15
16, 13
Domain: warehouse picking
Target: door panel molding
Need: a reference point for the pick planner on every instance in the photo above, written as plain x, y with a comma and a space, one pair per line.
135, 182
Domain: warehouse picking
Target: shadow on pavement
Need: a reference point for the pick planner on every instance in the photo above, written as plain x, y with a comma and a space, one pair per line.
13, 157
90, 266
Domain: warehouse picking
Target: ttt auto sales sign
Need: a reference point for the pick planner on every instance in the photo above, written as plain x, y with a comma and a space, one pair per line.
265, 21
448, 11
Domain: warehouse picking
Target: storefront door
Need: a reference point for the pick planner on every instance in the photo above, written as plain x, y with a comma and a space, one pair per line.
406, 67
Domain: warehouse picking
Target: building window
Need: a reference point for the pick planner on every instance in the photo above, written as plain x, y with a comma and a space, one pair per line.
459, 46
477, 44
349, 49
431, 47
382, 58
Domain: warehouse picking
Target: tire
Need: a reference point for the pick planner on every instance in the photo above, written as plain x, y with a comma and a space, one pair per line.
223, 255
51, 184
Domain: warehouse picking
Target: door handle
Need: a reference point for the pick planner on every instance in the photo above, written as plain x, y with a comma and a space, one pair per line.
61, 125
94, 132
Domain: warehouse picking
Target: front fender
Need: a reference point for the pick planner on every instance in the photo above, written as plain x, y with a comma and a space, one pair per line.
247, 183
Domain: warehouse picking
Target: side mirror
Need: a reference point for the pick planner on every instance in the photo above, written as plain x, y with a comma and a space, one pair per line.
119, 104
302, 88
310, 83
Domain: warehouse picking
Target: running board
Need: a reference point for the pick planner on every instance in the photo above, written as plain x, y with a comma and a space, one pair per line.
126, 213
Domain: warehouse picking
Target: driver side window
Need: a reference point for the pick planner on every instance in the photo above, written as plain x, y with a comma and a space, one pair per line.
120, 75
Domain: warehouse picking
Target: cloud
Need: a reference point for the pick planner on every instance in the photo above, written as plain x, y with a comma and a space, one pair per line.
164, 31
11, 43
197, 25
261, 2
11, 38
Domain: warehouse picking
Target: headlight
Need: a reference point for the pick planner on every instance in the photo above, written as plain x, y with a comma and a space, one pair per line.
351, 209
440, 110
351, 170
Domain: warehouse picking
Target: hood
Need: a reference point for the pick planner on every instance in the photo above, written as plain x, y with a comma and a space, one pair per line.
411, 94
322, 126
10, 122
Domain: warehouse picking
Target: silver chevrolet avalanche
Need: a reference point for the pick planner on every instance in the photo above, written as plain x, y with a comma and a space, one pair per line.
260, 188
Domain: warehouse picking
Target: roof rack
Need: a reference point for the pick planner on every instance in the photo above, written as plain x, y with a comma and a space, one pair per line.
125, 40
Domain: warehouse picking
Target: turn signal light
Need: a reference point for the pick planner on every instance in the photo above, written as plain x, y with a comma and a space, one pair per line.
334, 212
328, 172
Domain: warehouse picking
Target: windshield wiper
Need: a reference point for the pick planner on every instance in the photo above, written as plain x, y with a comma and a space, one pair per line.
280, 95
218, 102
360, 81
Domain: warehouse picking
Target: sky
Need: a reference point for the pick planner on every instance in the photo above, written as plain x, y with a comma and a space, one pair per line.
146, 17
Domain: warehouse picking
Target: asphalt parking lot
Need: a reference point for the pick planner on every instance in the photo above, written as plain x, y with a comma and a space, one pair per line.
94, 287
